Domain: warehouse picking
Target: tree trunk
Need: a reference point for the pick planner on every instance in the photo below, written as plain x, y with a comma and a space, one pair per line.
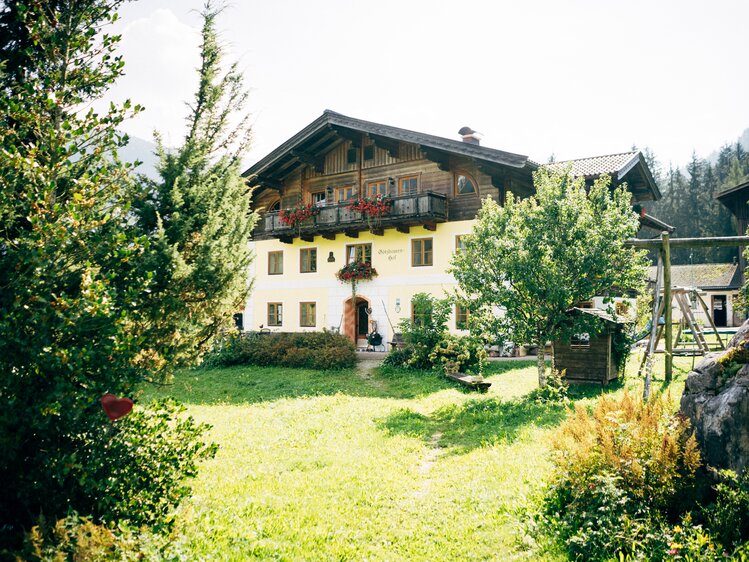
553, 359
541, 364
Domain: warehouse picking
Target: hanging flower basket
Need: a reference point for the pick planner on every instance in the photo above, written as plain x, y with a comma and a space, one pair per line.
297, 216
373, 208
355, 272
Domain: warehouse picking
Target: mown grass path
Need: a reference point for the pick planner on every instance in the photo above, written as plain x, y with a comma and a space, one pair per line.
389, 466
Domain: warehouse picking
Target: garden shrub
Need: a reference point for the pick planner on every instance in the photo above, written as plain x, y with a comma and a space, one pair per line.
152, 451
458, 353
80, 539
622, 474
728, 515
428, 345
312, 350
424, 331
555, 391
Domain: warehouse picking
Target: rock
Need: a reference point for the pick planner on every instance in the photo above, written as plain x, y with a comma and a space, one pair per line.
741, 336
718, 408
705, 374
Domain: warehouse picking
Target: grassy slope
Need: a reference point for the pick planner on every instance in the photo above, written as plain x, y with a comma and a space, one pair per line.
336, 466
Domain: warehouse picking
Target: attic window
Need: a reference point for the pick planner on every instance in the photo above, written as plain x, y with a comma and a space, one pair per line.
464, 184
369, 152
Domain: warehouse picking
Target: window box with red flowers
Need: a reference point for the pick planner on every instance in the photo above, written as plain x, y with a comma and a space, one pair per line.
297, 216
354, 272
373, 208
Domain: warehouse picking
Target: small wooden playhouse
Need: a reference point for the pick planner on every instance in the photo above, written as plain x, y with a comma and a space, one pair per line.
591, 359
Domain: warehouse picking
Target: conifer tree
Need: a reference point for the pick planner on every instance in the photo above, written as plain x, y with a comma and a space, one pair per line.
197, 216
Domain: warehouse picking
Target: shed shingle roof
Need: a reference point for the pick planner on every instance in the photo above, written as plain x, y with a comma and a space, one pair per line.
707, 276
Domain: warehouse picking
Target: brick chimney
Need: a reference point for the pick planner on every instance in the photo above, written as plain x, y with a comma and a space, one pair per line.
470, 136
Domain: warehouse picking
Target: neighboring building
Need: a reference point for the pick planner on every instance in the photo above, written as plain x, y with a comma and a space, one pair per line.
719, 284
737, 200
436, 184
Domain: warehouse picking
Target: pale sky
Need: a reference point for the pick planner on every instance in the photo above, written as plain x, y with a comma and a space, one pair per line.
574, 78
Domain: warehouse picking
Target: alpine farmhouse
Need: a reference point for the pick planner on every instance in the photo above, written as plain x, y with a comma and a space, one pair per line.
436, 186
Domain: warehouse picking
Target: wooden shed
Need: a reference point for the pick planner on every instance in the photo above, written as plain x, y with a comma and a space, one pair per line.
590, 359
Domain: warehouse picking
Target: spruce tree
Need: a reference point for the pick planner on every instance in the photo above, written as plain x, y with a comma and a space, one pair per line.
197, 217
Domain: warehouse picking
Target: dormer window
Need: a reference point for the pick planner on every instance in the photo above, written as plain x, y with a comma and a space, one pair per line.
464, 184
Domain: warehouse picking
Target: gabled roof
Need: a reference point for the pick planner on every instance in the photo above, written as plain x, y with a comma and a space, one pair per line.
705, 276
625, 166
331, 128
732, 191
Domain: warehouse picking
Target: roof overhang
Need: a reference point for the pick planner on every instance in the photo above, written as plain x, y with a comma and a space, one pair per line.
309, 146
734, 192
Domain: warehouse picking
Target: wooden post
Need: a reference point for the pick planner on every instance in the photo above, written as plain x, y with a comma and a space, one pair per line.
710, 319
668, 331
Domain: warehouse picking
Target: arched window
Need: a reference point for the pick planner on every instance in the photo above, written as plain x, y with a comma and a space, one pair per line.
465, 184
275, 206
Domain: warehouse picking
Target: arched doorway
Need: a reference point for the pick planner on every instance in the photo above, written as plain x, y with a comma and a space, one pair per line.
356, 314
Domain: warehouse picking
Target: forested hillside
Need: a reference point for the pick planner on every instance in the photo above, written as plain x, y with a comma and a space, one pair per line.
688, 198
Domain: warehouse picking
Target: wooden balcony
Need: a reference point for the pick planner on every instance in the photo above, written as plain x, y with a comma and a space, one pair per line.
420, 209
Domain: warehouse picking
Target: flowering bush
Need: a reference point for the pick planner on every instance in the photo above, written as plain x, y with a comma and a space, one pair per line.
356, 271
377, 206
291, 217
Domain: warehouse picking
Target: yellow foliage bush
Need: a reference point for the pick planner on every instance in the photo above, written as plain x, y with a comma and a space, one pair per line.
625, 473
652, 451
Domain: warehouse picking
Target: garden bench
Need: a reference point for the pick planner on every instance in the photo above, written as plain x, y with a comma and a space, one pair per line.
471, 381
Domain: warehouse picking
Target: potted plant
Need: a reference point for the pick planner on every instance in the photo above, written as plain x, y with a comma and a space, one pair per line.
356, 271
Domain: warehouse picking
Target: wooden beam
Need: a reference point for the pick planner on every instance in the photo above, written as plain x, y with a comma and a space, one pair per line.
329, 235
286, 239
269, 182
392, 146
403, 229
318, 162
351, 233
308, 237
706, 242
355, 138
430, 226
668, 332
710, 318
440, 158
377, 231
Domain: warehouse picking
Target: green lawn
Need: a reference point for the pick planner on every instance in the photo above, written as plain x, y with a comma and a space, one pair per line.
340, 466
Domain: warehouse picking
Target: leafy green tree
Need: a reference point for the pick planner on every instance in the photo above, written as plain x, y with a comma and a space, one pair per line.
197, 218
535, 258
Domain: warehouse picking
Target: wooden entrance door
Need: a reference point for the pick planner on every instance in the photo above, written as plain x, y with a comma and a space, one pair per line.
362, 319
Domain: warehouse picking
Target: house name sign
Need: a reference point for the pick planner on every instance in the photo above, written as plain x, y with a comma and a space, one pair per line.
391, 254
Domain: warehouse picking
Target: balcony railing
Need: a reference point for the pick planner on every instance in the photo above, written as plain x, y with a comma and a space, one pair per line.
424, 209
